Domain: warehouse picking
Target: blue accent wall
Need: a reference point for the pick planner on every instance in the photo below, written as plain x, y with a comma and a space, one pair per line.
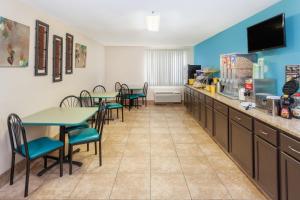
234, 40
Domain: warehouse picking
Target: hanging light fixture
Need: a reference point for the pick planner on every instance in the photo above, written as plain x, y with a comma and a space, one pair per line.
153, 22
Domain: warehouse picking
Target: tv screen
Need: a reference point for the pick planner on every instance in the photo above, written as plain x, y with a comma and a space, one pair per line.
267, 34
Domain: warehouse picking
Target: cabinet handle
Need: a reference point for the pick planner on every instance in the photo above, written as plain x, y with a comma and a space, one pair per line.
238, 118
263, 132
294, 150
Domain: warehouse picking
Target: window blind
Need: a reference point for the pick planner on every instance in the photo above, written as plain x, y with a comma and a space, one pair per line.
165, 67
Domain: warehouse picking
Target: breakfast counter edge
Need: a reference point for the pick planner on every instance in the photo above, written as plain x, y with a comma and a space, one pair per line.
288, 126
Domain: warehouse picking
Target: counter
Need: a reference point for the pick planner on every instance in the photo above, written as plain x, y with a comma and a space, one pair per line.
289, 126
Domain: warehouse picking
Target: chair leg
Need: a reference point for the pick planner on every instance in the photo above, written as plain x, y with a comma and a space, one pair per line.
27, 177
100, 154
108, 117
95, 148
122, 115
118, 113
146, 101
88, 146
70, 158
45, 162
61, 170
12, 168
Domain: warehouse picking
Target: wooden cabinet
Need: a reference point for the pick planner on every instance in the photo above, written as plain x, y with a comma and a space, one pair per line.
266, 167
209, 122
289, 168
202, 114
221, 128
196, 106
241, 146
290, 177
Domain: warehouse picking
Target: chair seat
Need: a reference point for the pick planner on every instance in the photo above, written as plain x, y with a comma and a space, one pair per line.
41, 146
114, 106
83, 135
79, 126
132, 96
141, 95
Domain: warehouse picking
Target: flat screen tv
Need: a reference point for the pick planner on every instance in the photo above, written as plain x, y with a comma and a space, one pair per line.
268, 34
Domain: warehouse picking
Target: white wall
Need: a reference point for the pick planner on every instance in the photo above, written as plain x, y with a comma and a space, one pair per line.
23, 93
126, 65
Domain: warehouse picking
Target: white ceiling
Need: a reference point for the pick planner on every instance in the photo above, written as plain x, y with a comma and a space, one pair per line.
122, 22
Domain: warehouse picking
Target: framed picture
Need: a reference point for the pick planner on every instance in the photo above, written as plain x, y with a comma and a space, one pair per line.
80, 56
57, 58
69, 53
14, 43
41, 48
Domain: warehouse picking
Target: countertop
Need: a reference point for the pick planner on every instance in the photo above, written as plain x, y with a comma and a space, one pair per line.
289, 126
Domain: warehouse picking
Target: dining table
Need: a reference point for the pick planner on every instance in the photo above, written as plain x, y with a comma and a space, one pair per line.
61, 117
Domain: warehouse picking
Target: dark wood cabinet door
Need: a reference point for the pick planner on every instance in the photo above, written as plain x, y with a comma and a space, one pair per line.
221, 129
290, 178
266, 167
195, 108
185, 99
241, 146
209, 120
202, 115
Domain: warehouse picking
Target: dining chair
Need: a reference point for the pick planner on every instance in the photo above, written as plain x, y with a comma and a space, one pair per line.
118, 87
98, 89
87, 135
31, 150
115, 106
87, 101
127, 96
144, 94
69, 102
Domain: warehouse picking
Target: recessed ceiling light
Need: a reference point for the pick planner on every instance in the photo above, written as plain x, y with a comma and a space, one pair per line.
153, 21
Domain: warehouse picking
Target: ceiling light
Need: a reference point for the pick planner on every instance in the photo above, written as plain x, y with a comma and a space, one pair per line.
153, 22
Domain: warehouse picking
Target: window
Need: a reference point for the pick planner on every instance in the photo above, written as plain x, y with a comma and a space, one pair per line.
165, 67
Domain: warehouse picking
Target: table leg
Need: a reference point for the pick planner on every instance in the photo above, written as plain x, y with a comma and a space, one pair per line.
62, 132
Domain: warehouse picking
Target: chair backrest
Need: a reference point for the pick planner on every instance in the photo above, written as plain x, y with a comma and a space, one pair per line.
118, 86
145, 89
100, 118
125, 89
86, 99
99, 88
17, 134
70, 101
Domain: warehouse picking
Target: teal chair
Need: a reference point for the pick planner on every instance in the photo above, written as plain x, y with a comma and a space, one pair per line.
115, 106
69, 102
31, 150
132, 99
144, 94
88, 135
87, 101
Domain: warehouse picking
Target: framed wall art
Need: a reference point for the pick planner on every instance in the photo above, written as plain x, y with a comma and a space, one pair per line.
80, 56
14, 43
69, 53
41, 48
57, 58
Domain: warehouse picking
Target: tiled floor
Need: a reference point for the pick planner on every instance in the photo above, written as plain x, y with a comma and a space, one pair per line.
159, 152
